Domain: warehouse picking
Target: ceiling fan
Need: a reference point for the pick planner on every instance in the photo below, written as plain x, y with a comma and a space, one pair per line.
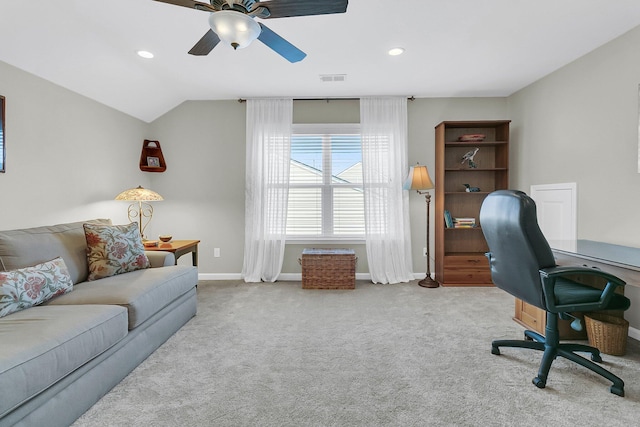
232, 21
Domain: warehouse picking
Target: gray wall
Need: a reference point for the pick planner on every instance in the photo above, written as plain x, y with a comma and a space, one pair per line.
204, 145
67, 156
580, 124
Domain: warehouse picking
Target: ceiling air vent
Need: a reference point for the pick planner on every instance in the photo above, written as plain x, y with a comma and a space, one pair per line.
333, 77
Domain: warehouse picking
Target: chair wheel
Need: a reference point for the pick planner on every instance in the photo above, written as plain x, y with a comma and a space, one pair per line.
540, 383
617, 390
495, 350
596, 358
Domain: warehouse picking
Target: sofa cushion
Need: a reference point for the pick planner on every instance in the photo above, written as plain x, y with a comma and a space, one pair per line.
49, 342
142, 292
30, 246
29, 286
114, 249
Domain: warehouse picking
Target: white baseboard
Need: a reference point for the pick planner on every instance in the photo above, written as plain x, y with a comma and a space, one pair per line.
219, 276
296, 277
634, 333
292, 277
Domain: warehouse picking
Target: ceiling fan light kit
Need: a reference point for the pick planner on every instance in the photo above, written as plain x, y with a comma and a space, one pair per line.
234, 28
233, 22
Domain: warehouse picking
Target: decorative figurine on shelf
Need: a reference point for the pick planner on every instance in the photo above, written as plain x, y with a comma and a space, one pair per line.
468, 157
471, 189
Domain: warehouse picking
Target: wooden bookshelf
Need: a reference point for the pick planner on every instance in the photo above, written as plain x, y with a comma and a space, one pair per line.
459, 255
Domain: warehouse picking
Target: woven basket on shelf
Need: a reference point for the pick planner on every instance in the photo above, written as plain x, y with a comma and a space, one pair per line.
607, 333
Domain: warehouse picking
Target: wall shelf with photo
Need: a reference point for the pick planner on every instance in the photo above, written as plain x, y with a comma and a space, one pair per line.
151, 158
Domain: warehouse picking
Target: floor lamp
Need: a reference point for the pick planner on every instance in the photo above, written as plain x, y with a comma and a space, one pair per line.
420, 181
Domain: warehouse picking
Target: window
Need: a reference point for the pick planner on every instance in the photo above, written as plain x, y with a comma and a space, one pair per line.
325, 183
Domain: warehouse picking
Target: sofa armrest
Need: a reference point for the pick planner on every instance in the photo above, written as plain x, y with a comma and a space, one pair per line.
160, 258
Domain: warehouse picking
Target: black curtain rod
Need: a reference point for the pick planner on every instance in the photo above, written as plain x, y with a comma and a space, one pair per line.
411, 98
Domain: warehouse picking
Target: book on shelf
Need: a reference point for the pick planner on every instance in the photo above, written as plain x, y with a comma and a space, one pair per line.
464, 222
448, 221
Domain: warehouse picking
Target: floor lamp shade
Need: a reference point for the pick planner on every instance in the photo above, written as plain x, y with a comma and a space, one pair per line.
420, 180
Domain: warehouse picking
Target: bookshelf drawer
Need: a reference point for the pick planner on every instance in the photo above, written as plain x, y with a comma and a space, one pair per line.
466, 261
467, 269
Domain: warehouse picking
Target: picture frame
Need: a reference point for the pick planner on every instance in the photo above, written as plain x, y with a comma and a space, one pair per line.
639, 128
3, 145
153, 162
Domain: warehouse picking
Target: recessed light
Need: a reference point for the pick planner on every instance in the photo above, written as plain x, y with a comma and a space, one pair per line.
145, 54
396, 51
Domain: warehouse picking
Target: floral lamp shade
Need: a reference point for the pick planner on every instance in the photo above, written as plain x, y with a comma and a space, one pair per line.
139, 194
141, 210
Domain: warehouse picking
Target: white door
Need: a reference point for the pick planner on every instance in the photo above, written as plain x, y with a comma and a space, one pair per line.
557, 211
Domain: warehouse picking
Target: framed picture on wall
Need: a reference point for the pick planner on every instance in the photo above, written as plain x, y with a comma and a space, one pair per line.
638, 128
3, 156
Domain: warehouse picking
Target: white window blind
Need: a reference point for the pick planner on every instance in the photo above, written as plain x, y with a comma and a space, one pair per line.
325, 182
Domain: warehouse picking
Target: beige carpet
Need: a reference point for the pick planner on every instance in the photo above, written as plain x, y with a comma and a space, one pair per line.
380, 355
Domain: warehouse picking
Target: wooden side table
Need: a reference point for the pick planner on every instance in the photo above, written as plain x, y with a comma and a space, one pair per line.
179, 248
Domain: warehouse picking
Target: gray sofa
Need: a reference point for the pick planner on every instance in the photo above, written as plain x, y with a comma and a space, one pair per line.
59, 358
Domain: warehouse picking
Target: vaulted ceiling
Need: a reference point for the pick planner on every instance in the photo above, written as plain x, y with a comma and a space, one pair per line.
453, 48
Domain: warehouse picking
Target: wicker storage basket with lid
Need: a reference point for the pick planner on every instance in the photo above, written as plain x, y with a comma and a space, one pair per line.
328, 269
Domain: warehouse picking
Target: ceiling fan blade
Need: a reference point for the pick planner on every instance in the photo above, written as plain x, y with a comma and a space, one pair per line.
287, 8
191, 4
205, 44
280, 45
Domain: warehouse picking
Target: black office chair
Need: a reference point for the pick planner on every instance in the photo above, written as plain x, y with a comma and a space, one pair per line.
523, 265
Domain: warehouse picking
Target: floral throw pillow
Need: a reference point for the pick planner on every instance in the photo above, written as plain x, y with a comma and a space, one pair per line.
29, 286
114, 249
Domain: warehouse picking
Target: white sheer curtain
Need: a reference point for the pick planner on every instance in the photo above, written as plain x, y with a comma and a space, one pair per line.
266, 187
383, 124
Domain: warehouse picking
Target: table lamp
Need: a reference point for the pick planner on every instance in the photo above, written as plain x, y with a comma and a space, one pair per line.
141, 210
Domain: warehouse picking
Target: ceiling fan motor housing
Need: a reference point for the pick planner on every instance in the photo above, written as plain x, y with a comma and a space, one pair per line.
243, 6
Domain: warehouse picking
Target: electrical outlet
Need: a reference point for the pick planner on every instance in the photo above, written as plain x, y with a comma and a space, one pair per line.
216, 252
424, 252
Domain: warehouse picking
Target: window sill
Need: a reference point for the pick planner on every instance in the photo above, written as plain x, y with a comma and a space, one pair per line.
330, 241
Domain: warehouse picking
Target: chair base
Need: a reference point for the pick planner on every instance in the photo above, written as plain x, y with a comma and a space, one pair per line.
552, 348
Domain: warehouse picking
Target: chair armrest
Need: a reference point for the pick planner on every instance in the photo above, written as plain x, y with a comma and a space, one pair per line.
586, 271
160, 258
549, 276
